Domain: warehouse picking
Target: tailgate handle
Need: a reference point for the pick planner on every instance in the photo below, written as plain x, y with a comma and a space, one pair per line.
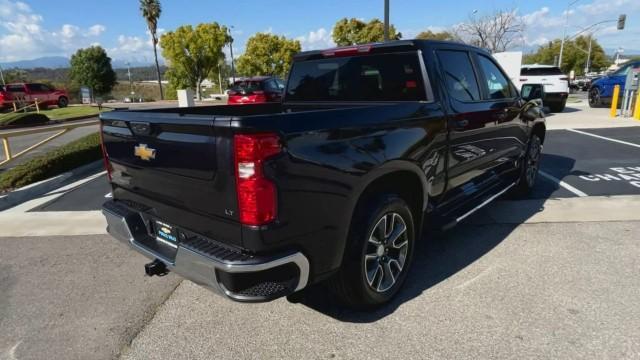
140, 128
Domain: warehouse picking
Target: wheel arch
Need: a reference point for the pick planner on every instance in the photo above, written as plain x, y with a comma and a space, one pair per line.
401, 176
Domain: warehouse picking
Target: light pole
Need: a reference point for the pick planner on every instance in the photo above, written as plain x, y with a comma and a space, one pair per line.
564, 32
2, 77
233, 66
129, 74
386, 20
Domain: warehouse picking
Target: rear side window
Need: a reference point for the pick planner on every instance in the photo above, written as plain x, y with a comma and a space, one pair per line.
459, 75
383, 77
15, 88
497, 85
540, 71
38, 87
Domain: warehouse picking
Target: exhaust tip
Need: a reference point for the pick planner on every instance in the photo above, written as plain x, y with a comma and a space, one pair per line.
156, 267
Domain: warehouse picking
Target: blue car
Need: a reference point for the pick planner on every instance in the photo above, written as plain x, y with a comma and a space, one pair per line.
601, 90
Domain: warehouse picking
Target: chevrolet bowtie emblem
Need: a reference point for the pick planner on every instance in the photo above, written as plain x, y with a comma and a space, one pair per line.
144, 152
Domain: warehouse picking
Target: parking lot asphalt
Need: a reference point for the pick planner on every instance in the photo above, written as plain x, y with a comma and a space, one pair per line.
543, 291
73, 297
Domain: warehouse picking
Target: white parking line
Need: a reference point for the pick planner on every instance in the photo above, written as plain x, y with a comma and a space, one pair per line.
563, 184
604, 138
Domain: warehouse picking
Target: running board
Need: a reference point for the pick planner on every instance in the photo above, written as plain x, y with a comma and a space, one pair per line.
480, 206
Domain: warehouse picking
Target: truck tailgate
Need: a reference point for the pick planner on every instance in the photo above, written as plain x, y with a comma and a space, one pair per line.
180, 166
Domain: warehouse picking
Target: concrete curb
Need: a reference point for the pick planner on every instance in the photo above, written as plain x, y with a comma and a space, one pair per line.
40, 188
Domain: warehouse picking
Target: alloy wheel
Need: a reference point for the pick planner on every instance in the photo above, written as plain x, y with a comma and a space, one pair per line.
533, 161
386, 252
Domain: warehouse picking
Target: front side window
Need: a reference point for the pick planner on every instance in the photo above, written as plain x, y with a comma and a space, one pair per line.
497, 85
459, 75
382, 77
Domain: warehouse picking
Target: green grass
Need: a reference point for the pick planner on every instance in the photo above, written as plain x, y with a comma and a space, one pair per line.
67, 157
71, 112
15, 119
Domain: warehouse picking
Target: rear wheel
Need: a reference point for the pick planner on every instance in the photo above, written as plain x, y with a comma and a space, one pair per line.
63, 102
378, 258
558, 106
594, 98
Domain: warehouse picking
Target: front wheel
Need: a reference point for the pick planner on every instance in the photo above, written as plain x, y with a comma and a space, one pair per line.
379, 255
594, 98
530, 166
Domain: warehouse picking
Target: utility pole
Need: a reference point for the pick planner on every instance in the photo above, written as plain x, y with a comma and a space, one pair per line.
233, 66
564, 31
587, 66
2, 77
129, 74
386, 20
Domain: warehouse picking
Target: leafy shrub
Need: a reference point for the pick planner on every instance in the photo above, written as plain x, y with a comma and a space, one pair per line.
17, 119
67, 157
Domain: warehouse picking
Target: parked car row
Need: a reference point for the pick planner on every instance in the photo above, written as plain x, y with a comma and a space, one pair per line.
32, 92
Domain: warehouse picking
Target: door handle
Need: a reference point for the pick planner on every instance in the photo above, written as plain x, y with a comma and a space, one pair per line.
461, 124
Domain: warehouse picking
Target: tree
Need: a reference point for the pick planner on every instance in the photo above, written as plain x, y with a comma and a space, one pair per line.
193, 54
443, 35
574, 57
496, 32
92, 67
353, 31
151, 10
268, 54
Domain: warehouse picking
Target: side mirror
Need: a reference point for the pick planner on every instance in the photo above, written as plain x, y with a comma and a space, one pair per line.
532, 92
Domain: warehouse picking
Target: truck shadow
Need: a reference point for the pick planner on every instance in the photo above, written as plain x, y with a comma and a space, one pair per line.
440, 255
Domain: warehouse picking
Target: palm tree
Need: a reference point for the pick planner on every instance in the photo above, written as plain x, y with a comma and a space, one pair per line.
151, 10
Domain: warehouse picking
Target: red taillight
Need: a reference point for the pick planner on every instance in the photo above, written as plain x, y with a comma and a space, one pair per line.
257, 198
105, 156
347, 51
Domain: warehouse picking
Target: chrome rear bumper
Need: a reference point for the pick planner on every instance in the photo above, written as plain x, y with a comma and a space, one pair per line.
203, 269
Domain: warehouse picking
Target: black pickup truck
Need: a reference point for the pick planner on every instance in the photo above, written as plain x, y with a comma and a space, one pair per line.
370, 145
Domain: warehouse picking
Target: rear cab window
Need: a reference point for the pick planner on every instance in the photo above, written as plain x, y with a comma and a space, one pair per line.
246, 86
540, 71
375, 77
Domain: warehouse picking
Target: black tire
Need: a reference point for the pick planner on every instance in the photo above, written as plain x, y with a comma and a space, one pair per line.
558, 107
63, 102
530, 166
354, 285
595, 100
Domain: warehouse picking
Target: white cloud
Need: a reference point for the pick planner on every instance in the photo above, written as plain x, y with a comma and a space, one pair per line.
318, 39
543, 26
97, 29
23, 36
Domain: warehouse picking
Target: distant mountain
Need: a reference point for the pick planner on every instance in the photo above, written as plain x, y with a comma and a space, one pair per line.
57, 62
52, 62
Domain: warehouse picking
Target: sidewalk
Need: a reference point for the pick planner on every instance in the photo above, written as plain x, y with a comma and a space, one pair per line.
581, 116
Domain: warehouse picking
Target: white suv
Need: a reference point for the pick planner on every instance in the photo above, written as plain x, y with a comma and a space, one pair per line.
556, 84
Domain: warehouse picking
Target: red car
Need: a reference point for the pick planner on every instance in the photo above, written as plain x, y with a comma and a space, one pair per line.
256, 90
29, 92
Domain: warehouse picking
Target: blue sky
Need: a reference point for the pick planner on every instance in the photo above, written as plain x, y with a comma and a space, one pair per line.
35, 28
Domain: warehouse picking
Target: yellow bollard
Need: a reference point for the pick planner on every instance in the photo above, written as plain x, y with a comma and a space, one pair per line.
636, 112
15, 108
614, 101
37, 107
